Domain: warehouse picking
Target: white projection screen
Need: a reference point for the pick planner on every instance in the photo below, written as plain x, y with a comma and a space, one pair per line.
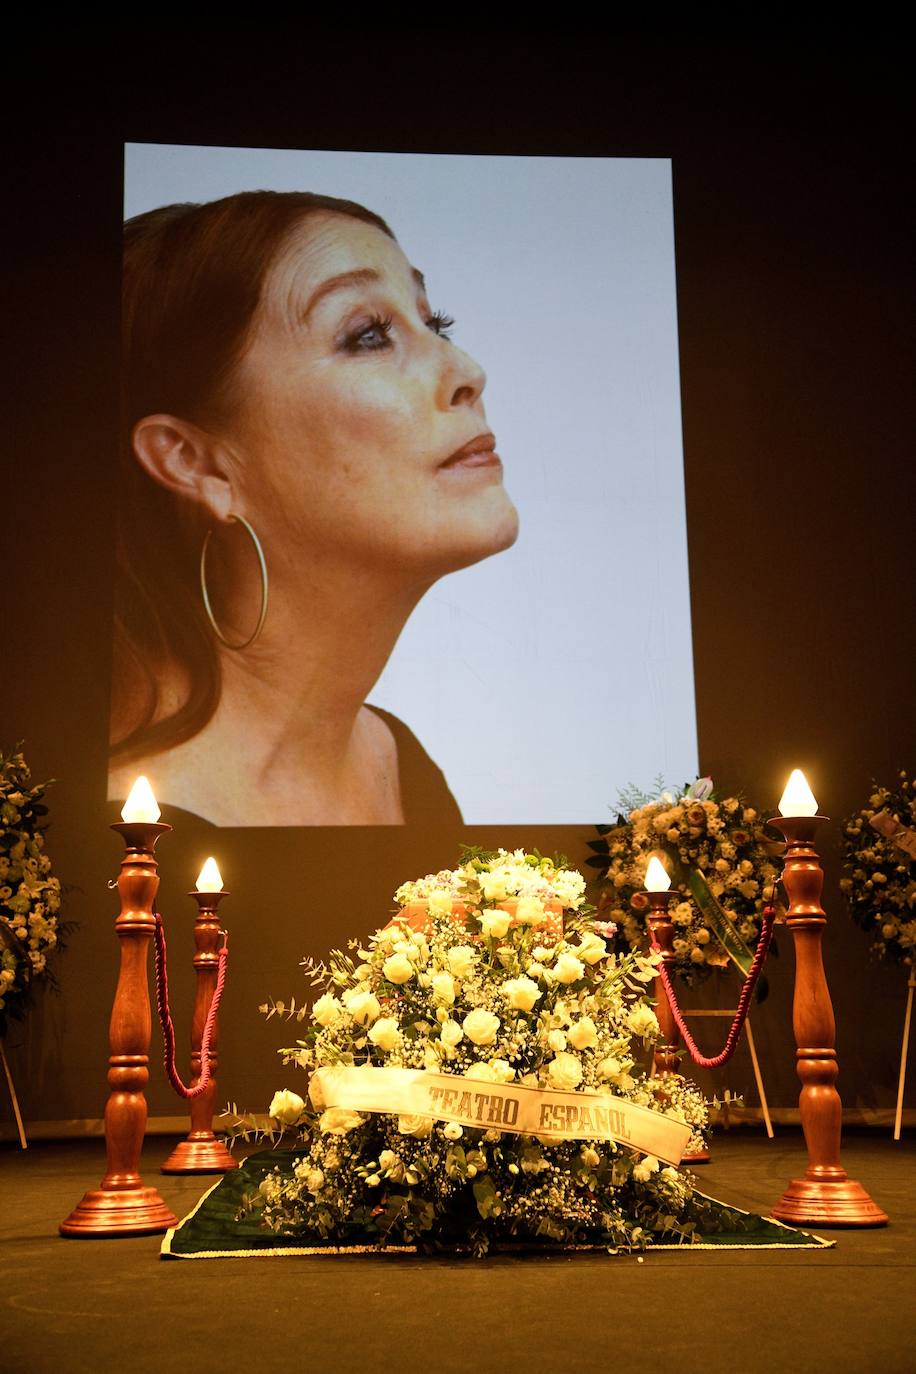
546, 678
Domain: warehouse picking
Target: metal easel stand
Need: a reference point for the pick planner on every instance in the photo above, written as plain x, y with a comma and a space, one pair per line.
15, 1101
904, 1050
755, 1063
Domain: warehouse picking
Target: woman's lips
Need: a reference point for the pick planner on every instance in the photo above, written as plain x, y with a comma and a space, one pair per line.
476, 453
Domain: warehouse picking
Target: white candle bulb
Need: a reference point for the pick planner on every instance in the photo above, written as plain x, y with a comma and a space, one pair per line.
141, 805
657, 879
797, 799
209, 878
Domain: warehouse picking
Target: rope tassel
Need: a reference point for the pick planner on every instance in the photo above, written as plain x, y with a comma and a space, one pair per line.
165, 1016
747, 991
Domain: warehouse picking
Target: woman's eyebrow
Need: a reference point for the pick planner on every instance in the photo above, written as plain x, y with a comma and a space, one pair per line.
358, 276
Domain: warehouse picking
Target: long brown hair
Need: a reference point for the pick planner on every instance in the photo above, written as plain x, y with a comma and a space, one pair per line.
192, 280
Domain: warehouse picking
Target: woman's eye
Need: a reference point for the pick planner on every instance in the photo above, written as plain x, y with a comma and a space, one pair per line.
440, 324
369, 337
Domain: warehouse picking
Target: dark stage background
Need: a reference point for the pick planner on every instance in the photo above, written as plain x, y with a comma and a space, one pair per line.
795, 300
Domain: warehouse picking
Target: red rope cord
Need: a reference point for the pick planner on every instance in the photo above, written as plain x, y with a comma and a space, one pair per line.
165, 1017
750, 982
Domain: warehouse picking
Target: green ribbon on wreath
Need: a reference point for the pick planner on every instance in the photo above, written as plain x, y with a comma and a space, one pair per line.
716, 918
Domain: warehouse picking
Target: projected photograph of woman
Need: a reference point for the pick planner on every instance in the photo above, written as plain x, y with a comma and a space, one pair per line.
305, 453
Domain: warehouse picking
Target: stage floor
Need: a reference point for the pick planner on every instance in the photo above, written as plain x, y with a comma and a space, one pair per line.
73, 1305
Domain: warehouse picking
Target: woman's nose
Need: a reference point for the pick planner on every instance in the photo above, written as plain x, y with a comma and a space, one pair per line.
463, 379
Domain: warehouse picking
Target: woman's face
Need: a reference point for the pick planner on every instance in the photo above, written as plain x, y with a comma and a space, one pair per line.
360, 433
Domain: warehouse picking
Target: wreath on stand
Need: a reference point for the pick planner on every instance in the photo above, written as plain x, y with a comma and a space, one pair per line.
720, 859
30, 925
879, 869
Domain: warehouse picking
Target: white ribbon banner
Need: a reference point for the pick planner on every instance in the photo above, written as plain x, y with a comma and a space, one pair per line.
511, 1107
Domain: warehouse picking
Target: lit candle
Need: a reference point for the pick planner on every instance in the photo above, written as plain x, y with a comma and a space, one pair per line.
657, 879
209, 879
797, 799
141, 805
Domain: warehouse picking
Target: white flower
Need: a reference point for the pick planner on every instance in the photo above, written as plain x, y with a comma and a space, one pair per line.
644, 1170
583, 1034
451, 1033
286, 1107
362, 1006
452, 1131
702, 936
313, 1180
643, 1021
557, 1040
397, 968
564, 1072
461, 960
590, 1157
493, 886
495, 924
530, 912
496, 1071
326, 1009
568, 969
443, 988
440, 903
339, 1120
521, 993
386, 1033
591, 947
481, 1026
417, 1126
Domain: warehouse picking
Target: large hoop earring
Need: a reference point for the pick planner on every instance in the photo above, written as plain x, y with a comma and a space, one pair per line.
240, 520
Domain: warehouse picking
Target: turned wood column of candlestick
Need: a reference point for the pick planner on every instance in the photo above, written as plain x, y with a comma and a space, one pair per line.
200, 1152
122, 1205
825, 1196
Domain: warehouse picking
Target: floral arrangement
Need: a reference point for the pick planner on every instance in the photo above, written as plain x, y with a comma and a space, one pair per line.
879, 869
29, 894
719, 857
484, 987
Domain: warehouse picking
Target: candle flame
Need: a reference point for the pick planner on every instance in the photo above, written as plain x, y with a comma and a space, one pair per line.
210, 879
657, 879
141, 805
797, 799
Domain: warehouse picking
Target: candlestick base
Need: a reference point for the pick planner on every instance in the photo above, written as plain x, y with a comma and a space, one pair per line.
118, 1212
199, 1153
837, 1201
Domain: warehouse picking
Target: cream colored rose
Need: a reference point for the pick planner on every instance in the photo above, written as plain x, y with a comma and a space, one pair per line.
286, 1107
568, 969
564, 1072
644, 1170
451, 1033
397, 968
339, 1120
530, 912
417, 1126
495, 924
326, 1009
481, 1026
443, 988
583, 1034
493, 886
591, 947
386, 1033
452, 1131
521, 993
440, 903
461, 960
314, 1180
557, 1040
643, 1021
496, 1071
362, 1006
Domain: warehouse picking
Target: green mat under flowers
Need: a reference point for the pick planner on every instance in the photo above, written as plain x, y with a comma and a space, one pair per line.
212, 1230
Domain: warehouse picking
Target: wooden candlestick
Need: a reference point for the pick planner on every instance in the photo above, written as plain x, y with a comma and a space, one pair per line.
825, 1196
665, 1054
200, 1152
122, 1205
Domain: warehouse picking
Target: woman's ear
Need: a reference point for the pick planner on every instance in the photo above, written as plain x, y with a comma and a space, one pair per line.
185, 460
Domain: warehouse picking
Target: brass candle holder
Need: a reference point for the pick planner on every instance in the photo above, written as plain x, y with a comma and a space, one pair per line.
200, 1152
825, 1195
122, 1205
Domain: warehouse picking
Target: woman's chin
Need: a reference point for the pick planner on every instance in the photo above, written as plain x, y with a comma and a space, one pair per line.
483, 533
